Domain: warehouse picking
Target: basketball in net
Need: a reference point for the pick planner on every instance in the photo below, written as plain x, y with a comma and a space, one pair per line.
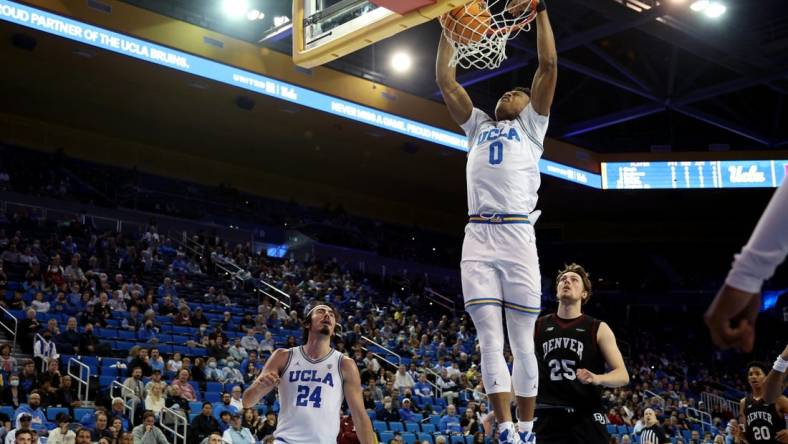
479, 30
466, 24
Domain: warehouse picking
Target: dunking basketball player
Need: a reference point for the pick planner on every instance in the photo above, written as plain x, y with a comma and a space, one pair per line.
312, 381
572, 350
763, 422
500, 266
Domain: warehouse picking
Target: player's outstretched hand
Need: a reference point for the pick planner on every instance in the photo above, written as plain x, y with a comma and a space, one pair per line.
731, 318
782, 436
267, 380
586, 377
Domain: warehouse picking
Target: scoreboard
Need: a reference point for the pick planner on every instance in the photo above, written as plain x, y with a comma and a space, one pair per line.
694, 174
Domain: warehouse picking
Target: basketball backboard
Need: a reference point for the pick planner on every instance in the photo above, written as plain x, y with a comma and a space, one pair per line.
325, 30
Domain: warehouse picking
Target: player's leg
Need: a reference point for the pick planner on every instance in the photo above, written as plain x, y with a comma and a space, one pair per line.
482, 293
521, 283
552, 426
589, 428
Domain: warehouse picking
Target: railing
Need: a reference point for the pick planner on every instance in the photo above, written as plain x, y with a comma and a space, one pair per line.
177, 420
702, 417
438, 390
440, 299
129, 399
82, 382
7, 326
399, 358
650, 394
712, 402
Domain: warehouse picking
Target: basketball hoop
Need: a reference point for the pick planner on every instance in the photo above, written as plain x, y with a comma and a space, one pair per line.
479, 31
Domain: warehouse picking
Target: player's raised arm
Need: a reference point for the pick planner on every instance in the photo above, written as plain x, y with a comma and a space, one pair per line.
352, 388
617, 376
775, 381
543, 86
457, 99
267, 379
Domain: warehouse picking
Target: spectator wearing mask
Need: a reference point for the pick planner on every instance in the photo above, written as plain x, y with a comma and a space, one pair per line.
387, 412
13, 395
232, 374
213, 372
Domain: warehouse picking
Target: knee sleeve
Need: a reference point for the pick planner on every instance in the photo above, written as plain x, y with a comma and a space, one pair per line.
525, 370
488, 320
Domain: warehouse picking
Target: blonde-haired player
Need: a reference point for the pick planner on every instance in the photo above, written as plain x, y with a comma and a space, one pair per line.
500, 266
312, 379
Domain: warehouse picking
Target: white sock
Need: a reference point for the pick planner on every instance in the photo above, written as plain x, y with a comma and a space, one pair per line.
505, 426
525, 426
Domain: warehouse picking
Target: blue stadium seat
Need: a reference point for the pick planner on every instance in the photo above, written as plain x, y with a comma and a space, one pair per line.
409, 438
79, 412
424, 437
106, 380
611, 428
380, 426
275, 407
192, 416
435, 420
428, 427
686, 434
262, 409
195, 406
412, 427
457, 439
7, 410
127, 335
396, 426
52, 412
622, 429
385, 437
214, 386
213, 396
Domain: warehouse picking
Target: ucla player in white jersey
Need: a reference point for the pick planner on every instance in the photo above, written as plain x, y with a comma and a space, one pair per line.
312, 379
500, 267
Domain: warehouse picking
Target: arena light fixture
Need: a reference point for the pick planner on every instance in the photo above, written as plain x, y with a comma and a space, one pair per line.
254, 14
235, 9
715, 9
281, 20
401, 62
700, 5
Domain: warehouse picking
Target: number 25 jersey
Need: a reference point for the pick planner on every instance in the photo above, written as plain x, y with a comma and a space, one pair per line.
562, 347
310, 399
502, 173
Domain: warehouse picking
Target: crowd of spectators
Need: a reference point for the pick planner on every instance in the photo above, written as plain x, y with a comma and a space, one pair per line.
72, 282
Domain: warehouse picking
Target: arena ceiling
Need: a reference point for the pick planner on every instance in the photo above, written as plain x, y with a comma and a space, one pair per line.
661, 78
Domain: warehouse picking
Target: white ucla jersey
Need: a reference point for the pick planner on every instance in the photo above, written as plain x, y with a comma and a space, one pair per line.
310, 399
503, 163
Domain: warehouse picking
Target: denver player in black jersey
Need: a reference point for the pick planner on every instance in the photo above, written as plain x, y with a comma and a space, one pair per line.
572, 350
763, 422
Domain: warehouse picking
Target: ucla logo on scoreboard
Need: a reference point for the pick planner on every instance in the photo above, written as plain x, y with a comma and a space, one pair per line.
752, 175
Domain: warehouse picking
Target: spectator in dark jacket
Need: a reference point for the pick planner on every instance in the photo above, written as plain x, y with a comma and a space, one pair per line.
203, 424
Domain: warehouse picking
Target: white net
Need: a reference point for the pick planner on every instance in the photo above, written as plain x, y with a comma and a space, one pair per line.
480, 30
